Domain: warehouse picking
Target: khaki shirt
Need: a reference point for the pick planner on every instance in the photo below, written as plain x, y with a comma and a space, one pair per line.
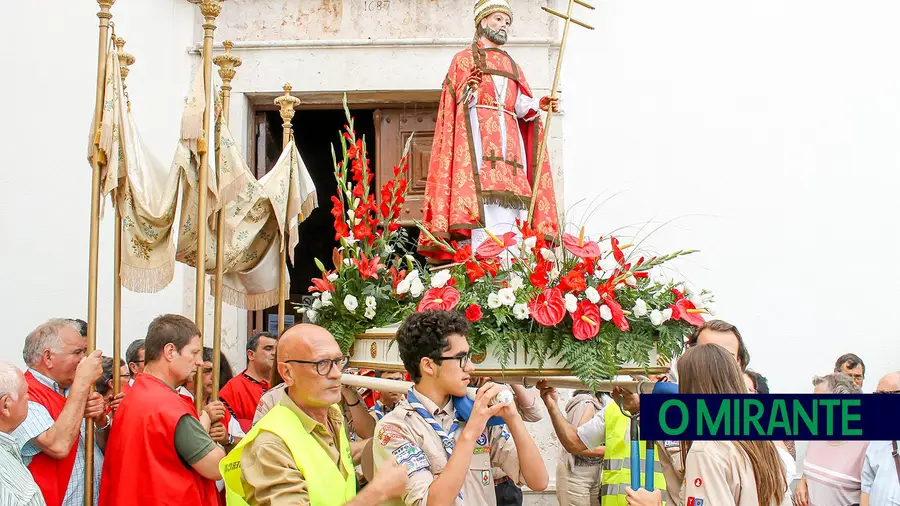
268, 401
405, 436
720, 474
269, 474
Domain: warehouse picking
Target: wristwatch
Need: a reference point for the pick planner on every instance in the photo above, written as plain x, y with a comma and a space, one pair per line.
230, 440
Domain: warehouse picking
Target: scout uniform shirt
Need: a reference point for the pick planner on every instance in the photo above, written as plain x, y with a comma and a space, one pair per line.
718, 473
403, 435
531, 414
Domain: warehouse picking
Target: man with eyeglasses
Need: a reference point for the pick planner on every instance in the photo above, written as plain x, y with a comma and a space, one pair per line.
299, 452
449, 460
880, 481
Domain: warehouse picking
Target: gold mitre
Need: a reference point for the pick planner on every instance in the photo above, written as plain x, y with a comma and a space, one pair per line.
484, 8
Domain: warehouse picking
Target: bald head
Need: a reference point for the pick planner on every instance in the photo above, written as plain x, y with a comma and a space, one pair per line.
310, 361
303, 341
889, 383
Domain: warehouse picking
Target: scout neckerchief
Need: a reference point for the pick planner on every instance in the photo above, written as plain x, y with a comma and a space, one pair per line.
379, 412
447, 440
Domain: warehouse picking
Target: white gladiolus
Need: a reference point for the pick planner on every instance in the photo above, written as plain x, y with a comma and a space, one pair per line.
554, 273
317, 304
348, 262
370, 313
657, 276
312, 315
326, 299
656, 317
667, 314
515, 282
402, 287
605, 312
640, 308
494, 301
592, 294
690, 289
440, 278
316, 295
388, 249
698, 301
506, 296
571, 303
331, 277
370, 302
548, 254
416, 287
530, 242
351, 213
608, 263
413, 274
711, 309
631, 281
521, 311
351, 303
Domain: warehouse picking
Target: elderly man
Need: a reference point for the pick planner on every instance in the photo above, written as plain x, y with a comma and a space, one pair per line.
17, 486
299, 453
160, 451
881, 469
52, 437
241, 395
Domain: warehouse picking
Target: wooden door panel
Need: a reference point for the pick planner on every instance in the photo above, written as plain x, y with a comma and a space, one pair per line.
393, 129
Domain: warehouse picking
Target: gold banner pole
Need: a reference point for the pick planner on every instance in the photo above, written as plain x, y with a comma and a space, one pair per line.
98, 159
125, 60
227, 64
287, 104
210, 10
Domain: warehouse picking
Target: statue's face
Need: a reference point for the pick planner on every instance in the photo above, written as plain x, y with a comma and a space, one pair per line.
495, 28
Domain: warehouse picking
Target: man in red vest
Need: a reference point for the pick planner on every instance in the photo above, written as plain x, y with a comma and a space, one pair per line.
243, 392
159, 451
59, 378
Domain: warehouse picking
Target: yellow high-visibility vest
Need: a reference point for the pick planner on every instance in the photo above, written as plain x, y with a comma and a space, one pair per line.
617, 460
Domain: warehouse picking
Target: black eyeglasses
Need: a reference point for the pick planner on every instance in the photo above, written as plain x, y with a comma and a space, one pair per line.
323, 367
887, 392
463, 359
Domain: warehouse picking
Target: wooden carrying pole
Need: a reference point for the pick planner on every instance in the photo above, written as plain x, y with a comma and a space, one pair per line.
227, 64
210, 10
98, 159
287, 104
125, 60
554, 93
401, 387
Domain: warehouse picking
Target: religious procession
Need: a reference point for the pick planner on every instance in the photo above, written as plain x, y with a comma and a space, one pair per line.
416, 316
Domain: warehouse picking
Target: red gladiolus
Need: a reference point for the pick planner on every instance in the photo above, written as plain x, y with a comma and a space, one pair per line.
474, 271
362, 231
491, 266
586, 321
462, 254
491, 248
368, 268
573, 282
539, 277
617, 253
579, 247
473, 313
618, 316
548, 308
396, 278
322, 284
439, 299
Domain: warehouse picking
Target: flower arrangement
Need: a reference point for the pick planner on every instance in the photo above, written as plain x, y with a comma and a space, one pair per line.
585, 302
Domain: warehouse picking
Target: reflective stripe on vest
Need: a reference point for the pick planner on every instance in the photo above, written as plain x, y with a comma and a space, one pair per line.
324, 481
616, 473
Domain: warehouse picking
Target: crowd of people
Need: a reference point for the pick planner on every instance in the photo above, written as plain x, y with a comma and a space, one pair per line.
286, 431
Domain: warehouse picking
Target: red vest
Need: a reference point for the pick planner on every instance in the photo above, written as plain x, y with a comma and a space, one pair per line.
141, 465
241, 394
51, 475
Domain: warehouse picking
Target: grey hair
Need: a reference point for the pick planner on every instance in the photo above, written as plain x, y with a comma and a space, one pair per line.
45, 337
837, 383
10, 380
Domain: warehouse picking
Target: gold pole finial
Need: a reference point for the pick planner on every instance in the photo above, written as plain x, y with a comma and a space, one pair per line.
287, 102
125, 61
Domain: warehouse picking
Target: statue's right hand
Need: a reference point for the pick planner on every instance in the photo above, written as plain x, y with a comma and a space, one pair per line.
475, 78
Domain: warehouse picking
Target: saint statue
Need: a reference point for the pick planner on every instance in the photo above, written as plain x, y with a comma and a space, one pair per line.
484, 154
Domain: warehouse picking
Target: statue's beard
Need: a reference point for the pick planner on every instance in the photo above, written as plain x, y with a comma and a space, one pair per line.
496, 36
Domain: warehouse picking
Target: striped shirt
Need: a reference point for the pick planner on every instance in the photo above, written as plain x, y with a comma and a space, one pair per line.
17, 487
38, 422
833, 470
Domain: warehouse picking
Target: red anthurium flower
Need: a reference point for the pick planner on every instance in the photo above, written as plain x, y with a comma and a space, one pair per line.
322, 284
439, 299
573, 282
618, 316
474, 271
462, 254
548, 308
681, 310
368, 268
491, 248
473, 313
586, 321
581, 248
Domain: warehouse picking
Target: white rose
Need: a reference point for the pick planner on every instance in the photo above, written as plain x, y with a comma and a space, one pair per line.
656, 317
326, 299
403, 287
370, 302
667, 314
440, 279
608, 263
331, 277
370, 313
521, 311
416, 287
351, 303
494, 301
317, 304
312, 315
507, 296
592, 294
631, 281
571, 303
515, 282
640, 308
605, 312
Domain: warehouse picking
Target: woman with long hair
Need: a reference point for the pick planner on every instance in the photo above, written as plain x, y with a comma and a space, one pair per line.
723, 473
